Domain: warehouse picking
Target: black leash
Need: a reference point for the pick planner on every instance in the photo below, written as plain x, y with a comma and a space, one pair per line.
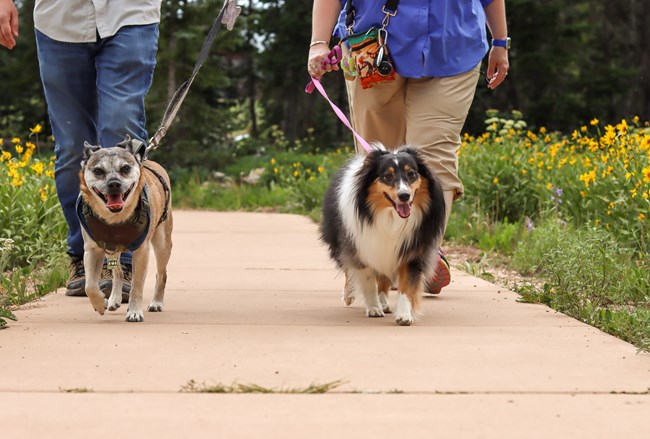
228, 14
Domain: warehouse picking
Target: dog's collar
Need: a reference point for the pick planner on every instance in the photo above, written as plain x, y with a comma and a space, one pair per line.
128, 235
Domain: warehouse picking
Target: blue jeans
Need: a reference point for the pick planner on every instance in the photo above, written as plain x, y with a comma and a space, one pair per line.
95, 92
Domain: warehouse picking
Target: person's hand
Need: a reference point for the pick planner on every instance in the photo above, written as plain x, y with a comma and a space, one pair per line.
8, 23
316, 67
498, 66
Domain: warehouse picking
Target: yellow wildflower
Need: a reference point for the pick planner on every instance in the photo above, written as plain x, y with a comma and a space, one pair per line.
296, 173
19, 149
495, 180
38, 168
15, 140
37, 129
588, 177
641, 216
594, 122
273, 162
646, 174
321, 169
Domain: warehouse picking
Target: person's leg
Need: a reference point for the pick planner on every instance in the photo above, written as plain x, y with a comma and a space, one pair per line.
68, 76
125, 67
436, 109
377, 113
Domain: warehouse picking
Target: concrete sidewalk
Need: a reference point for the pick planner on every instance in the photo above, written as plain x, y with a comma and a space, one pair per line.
254, 299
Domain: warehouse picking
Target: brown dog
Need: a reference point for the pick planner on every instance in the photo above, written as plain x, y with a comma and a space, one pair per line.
124, 204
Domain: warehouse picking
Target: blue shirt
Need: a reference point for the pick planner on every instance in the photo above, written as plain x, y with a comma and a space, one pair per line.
431, 38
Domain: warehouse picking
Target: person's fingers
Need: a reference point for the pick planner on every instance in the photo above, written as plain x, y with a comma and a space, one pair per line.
497, 69
314, 68
14, 23
8, 28
6, 38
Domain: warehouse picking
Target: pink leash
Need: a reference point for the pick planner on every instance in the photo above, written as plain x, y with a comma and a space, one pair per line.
335, 55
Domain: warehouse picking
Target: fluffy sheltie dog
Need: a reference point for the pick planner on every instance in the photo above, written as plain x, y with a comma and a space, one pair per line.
383, 219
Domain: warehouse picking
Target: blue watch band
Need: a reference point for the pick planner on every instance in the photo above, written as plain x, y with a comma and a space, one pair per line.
502, 43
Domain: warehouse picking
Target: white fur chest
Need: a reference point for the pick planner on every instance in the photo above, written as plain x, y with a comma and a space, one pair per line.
379, 244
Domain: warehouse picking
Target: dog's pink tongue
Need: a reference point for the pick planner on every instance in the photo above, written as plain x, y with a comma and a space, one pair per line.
403, 209
114, 201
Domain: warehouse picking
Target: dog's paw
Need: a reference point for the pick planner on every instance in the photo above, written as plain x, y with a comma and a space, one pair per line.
112, 306
155, 307
404, 320
97, 300
133, 316
374, 311
347, 296
385, 306
403, 314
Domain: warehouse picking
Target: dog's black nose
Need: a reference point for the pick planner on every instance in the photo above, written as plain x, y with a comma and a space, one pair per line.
404, 196
114, 186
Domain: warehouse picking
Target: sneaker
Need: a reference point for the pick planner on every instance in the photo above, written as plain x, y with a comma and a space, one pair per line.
106, 282
442, 277
76, 284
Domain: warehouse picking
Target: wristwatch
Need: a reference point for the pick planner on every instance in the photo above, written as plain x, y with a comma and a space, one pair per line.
502, 43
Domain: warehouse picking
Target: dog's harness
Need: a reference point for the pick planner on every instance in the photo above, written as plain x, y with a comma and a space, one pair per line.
128, 235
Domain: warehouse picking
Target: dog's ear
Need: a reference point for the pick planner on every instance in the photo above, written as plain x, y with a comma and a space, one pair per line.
423, 168
135, 147
88, 150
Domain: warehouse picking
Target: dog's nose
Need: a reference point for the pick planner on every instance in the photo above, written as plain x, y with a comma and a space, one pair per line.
404, 196
114, 186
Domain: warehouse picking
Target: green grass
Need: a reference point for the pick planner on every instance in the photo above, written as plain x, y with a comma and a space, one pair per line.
194, 387
588, 275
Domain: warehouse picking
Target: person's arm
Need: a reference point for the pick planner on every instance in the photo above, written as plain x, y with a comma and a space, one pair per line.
323, 18
8, 23
495, 14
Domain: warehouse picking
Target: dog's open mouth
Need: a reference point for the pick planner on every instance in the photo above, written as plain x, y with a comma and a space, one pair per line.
114, 202
402, 209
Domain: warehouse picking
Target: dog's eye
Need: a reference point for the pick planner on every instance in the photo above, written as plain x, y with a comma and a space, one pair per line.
412, 175
124, 170
98, 172
389, 177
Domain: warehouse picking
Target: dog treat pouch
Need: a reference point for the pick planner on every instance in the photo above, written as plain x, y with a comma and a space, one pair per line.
370, 57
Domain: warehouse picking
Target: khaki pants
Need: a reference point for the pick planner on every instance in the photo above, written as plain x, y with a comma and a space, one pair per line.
425, 113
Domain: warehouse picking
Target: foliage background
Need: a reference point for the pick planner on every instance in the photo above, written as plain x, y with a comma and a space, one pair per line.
570, 62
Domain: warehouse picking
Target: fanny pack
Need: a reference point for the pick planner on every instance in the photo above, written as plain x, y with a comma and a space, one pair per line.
368, 57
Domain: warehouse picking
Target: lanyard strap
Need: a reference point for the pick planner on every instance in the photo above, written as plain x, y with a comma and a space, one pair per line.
390, 9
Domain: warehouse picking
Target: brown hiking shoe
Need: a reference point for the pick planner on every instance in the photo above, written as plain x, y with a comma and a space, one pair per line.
106, 282
76, 284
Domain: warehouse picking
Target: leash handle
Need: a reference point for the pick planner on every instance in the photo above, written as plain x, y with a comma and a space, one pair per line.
315, 83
